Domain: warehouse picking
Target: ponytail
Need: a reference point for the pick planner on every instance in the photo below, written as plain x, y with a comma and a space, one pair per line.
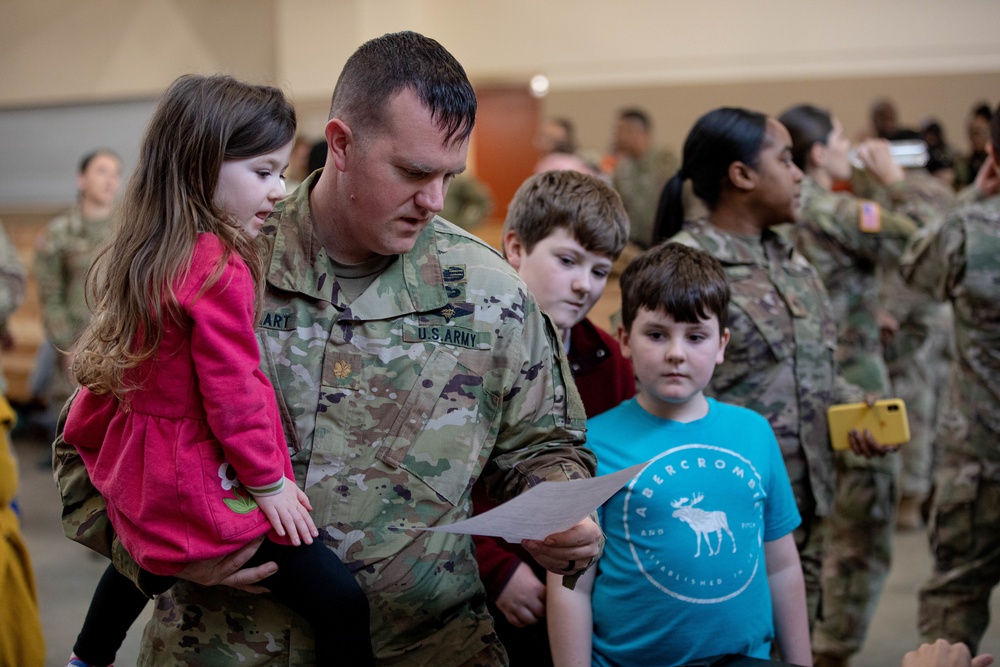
670, 210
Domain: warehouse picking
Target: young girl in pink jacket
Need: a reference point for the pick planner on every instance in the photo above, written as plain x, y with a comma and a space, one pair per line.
177, 426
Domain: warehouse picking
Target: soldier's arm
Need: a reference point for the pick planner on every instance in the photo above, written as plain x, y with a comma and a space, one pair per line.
12, 280
542, 421
49, 276
541, 438
934, 259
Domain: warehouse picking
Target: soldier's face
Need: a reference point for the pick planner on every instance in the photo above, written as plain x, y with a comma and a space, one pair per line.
395, 182
99, 182
836, 156
777, 178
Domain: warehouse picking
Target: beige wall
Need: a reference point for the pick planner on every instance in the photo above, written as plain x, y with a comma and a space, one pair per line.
676, 57
69, 51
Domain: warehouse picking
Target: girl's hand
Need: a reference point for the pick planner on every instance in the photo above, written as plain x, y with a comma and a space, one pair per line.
288, 512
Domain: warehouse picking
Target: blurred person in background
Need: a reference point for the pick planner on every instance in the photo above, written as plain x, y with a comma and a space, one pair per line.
64, 255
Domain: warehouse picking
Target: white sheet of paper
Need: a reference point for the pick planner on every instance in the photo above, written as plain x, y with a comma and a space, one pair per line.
550, 507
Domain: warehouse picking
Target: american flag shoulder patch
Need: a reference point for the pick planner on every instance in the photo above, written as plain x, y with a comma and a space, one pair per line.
870, 218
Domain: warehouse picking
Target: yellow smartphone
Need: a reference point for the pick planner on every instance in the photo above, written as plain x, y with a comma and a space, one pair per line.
886, 420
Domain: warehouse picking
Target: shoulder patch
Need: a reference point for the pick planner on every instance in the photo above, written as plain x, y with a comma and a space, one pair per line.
869, 217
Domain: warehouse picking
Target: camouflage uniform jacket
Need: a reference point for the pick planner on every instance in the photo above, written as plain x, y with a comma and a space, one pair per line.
780, 359
639, 183
443, 370
12, 286
958, 261
846, 246
64, 256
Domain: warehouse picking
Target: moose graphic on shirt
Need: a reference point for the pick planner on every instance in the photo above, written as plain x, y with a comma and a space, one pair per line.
702, 522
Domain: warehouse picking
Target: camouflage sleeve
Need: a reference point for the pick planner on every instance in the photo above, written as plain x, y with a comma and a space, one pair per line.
934, 260
863, 227
542, 422
969, 195
50, 277
12, 280
846, 392
916, 202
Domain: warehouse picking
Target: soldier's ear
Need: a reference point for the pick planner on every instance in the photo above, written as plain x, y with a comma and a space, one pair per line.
340, 143
742, 176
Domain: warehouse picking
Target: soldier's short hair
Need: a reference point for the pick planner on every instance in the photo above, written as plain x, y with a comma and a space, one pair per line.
89, 157
585, 206
808, 125
385, 66
687, 284
636, 115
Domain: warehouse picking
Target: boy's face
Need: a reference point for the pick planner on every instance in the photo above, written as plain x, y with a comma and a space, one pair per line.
564, 277
673, 361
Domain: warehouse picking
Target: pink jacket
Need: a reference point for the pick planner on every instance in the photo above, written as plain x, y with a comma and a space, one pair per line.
164, 465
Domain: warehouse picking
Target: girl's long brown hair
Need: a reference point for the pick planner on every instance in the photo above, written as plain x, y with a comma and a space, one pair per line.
200, 122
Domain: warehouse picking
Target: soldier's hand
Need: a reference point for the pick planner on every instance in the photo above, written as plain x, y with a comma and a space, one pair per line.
877, 158
570, 551
943, 654
864, 444
988, 177
226, 570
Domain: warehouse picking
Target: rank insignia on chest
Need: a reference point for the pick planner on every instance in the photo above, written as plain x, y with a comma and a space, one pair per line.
341, 369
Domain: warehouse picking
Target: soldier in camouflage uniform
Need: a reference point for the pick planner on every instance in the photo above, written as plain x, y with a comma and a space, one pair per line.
640, 173
12, 281
64, 255
919, 349
846, 239
408, 360
960, 261
780, 360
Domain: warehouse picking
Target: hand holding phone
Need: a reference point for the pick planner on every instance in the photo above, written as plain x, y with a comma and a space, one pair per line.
886, 420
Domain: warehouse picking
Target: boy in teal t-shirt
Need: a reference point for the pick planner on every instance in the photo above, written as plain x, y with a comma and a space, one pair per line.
699, 559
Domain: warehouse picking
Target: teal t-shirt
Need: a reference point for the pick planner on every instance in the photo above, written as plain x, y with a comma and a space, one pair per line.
683, 573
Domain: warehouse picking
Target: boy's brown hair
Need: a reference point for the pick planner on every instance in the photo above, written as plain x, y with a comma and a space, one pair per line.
687, 284
589, 209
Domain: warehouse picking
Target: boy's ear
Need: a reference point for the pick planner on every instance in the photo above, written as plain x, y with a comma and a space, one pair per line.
513, 249
742, 176
623, 342
723, 342
338, 138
